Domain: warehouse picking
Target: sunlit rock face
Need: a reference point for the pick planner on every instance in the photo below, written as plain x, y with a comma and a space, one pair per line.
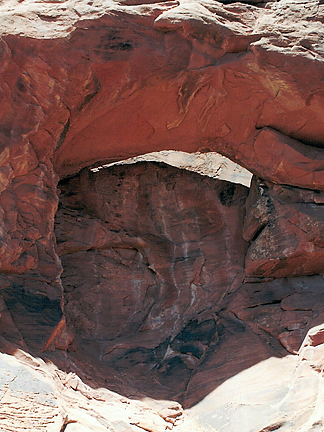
95, 82
276, 394
209, 164
280, 394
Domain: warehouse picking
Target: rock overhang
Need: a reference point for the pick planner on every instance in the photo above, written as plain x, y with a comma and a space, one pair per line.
186, 76
121, 80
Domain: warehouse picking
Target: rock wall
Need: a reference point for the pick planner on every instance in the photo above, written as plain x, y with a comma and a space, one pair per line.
156, 285
149, 255
92, 83
173, 281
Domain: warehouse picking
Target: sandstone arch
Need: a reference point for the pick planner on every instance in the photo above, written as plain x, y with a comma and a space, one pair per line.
122, 80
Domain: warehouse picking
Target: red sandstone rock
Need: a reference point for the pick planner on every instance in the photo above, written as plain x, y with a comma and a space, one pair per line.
184, 76
276, 157
145, 250
286, 228
153, 280
124, 80
160, 291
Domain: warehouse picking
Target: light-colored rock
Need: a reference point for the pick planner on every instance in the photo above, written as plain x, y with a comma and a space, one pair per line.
27, 398
37, 396
210, 164
284, 394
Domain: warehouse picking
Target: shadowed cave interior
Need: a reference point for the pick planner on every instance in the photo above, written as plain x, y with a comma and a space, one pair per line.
155, 293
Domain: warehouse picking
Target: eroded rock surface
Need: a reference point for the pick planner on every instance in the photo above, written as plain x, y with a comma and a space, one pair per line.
153, 261
37, 396
161, 297
95, 82
285, 226
276, 394
149, 256
85, 82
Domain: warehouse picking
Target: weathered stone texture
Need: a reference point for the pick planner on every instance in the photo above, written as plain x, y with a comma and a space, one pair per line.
285, 226
174, 282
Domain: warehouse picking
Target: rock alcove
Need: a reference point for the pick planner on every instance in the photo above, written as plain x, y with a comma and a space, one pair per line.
157, 286
174, 283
